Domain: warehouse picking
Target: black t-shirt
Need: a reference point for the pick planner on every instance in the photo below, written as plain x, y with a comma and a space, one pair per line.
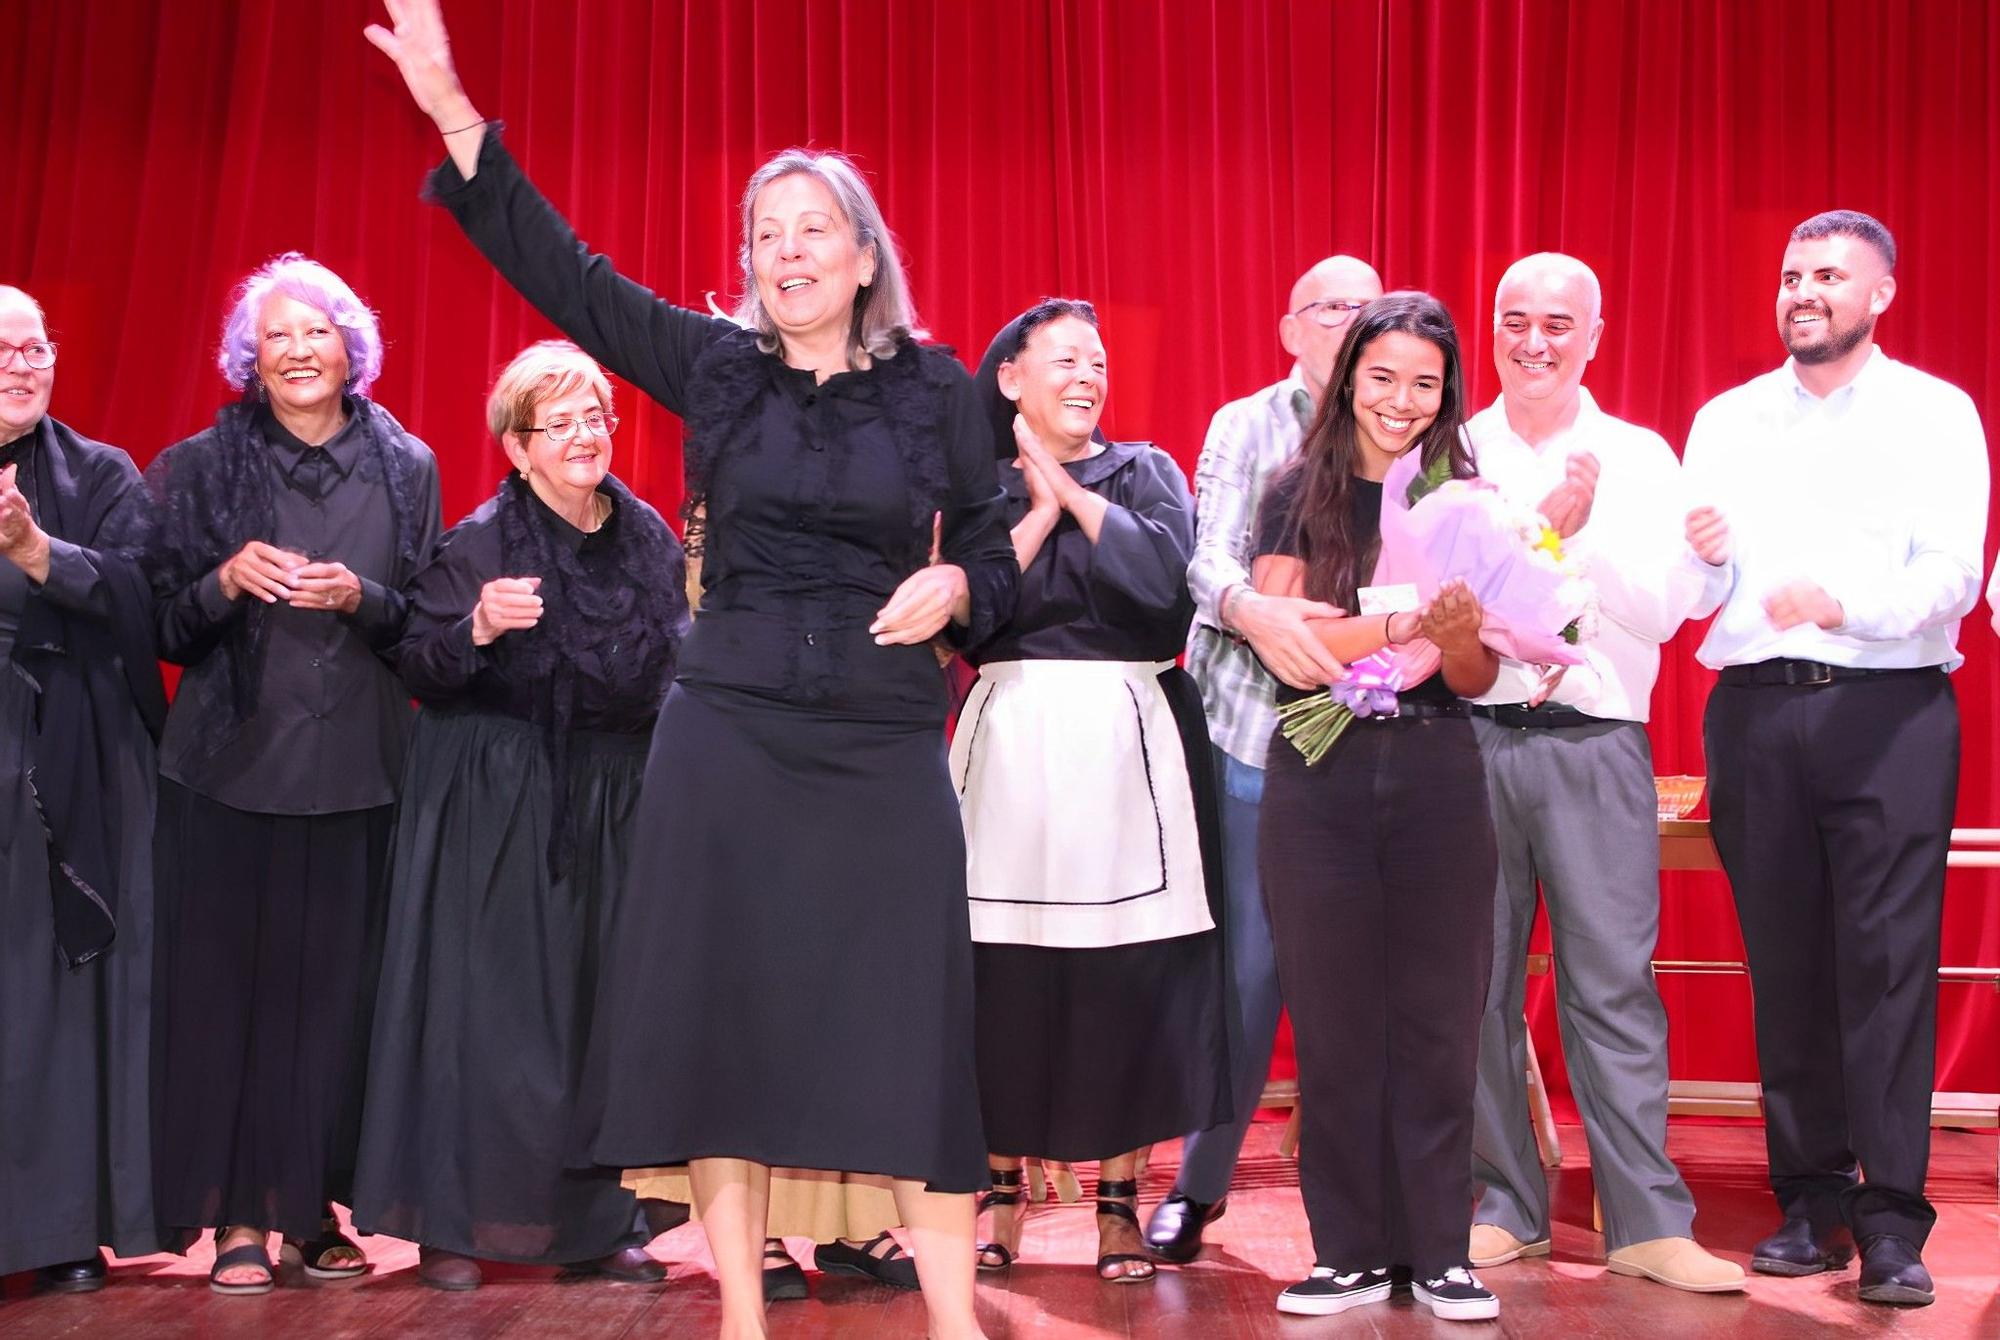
1277, 532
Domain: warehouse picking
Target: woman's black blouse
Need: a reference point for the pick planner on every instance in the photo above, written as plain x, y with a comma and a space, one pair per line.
808, 524
444, 670
1277, 532
1124, 598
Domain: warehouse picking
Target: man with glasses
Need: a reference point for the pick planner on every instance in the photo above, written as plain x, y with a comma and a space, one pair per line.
80, 701
1569, 773
1237, 633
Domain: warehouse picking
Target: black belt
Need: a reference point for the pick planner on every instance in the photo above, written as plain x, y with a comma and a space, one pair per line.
1794, 674
1524, 717
1407, 710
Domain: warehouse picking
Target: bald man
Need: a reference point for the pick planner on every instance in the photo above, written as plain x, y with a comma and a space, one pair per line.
1570, 778
80, 701
1236, 634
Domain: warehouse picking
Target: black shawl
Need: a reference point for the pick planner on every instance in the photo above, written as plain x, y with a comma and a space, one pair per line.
99, 680
625, 634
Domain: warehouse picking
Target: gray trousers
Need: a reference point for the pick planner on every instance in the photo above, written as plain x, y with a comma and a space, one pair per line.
1208, 1158
1575, 810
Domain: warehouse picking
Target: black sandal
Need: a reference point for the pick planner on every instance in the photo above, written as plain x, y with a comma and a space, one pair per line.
1111, 1197
1006, 1192
782, 1283
893, 1267
243, 1254
312, 1253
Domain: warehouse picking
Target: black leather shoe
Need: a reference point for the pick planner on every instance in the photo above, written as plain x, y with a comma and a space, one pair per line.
1794, 1250
85, 1276
1892, 1271
1174, 1232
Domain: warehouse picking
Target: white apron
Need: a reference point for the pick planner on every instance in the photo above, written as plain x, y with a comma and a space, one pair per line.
1079, 818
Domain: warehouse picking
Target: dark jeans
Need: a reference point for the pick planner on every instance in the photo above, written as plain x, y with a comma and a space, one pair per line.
1378, 867
1832, 811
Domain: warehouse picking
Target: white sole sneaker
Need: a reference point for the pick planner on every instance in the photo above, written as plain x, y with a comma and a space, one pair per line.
1456, 1309
1309, 1306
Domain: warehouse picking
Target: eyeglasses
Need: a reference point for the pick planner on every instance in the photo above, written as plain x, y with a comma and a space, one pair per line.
38, 354
562, 430
1331, 312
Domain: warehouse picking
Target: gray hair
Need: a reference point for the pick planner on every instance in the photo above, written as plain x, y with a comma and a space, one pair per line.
1556, 261
884, 315
295, 276
11, 296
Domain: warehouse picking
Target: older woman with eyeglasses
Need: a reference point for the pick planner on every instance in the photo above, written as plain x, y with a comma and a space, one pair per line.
540, 642
285, 534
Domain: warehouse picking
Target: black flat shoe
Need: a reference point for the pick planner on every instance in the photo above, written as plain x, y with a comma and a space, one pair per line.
85, 1276
1892, 1271
893, 1267
784, 1282
1174, 1231
627, 1265
1794, 1250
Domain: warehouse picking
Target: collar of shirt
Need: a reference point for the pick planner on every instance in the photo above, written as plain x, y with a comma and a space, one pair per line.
1295, 395
1836, 402
1485, 431
343, 449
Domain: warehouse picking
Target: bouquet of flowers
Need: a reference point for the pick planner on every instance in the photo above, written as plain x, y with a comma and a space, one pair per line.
1536, 604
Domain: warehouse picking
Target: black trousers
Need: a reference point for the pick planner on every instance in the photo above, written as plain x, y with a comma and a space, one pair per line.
1832, 811
1378, 866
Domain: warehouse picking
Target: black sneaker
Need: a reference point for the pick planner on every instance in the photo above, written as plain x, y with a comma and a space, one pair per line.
1325, 1292
1457, 1295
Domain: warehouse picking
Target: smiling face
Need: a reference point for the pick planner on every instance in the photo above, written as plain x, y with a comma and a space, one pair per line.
1398, 388
301, 359
24, 391
1545, 331
569, 469
1059, 382
1830, 290
804, 260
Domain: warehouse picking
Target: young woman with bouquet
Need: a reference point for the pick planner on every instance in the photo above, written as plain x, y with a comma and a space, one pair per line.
1378, 860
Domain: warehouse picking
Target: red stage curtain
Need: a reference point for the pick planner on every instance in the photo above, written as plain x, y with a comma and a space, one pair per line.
1177, 163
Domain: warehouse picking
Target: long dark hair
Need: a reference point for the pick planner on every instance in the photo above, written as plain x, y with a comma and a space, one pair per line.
1321, 480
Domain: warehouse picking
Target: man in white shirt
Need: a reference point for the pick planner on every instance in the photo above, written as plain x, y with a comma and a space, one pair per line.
1236, 633
1569, 774
1841, 513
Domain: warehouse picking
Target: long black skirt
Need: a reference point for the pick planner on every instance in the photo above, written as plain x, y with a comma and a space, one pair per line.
75, 1119
1092, 1053
270, 925
489, 976
794, 982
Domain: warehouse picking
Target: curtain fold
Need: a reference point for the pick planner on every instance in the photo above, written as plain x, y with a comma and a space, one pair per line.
1177, 163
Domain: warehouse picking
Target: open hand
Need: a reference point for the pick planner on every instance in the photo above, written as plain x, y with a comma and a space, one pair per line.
1567, 508
1041, 469
505, 604
1708, 536
422, 52
261, 570
17, 523
1279, 630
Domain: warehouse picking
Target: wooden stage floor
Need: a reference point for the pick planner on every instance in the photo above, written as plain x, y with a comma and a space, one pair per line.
1254, 1250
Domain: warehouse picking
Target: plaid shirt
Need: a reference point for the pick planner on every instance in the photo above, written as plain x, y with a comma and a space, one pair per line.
1248, 440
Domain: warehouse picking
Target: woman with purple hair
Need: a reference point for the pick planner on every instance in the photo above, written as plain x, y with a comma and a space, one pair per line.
283, 537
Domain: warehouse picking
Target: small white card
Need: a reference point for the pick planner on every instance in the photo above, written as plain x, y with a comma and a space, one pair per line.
1398, 599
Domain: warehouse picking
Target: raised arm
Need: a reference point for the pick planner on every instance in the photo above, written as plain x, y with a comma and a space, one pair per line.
622, 324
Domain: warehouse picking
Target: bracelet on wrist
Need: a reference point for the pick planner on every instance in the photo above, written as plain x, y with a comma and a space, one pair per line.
462, 129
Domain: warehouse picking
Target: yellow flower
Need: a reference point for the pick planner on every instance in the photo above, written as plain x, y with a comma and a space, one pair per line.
1552, 542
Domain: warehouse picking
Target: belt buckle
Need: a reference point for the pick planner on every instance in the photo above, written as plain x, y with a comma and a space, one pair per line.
1812, 672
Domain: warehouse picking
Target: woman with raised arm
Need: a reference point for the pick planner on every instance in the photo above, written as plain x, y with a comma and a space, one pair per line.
285, 534
540, 641
795, 986
1083, 769
1378, 860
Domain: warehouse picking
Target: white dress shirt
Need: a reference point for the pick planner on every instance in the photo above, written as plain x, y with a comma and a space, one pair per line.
1877, 493
1633, 549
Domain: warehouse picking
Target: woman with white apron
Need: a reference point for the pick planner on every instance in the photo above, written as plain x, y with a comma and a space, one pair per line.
1081, 761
